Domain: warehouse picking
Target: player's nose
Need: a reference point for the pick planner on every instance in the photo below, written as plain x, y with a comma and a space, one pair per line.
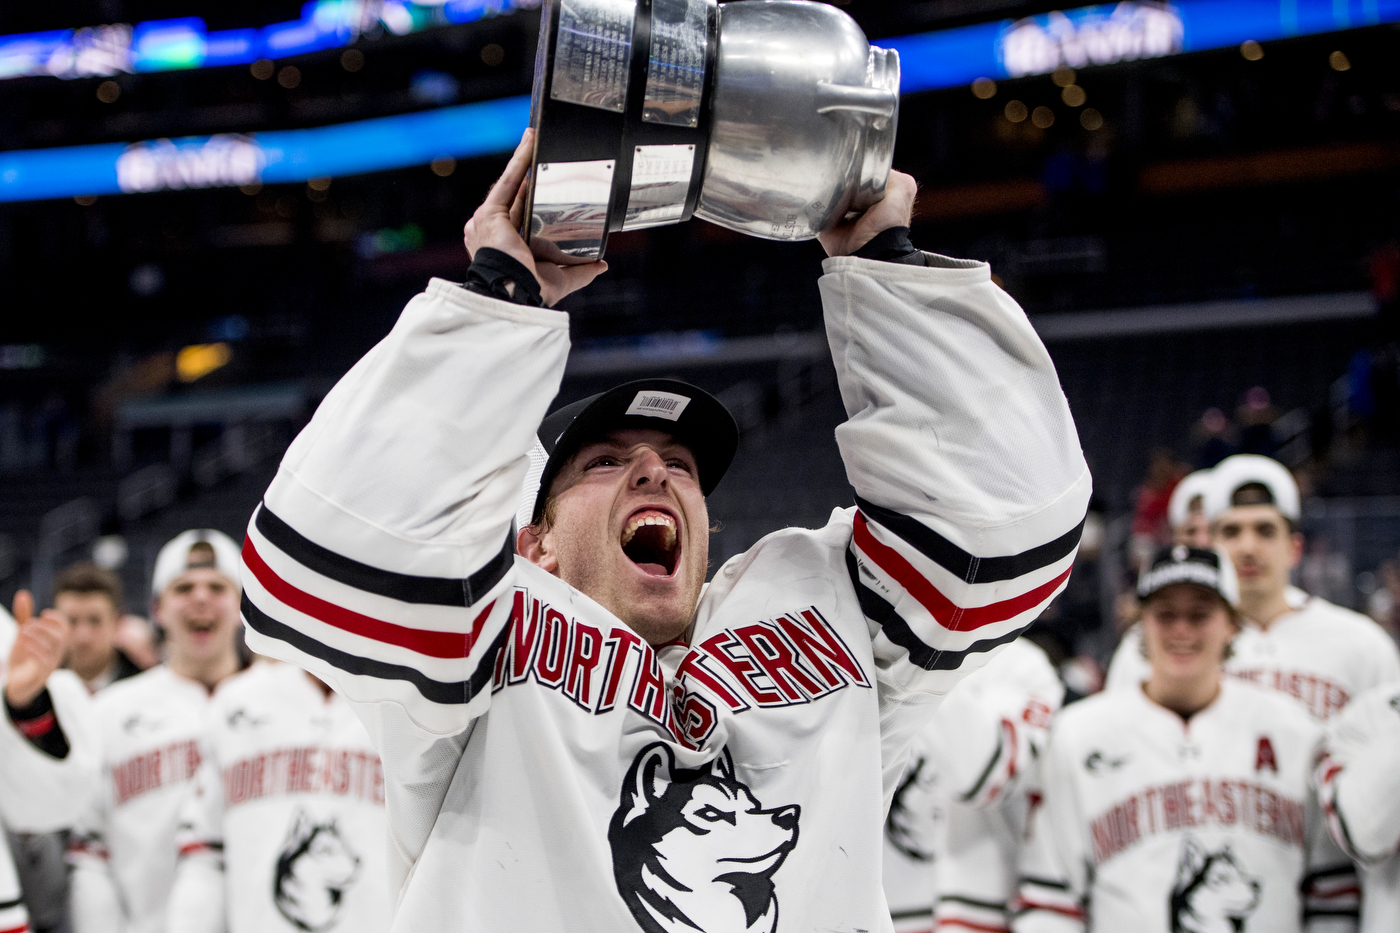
649, 469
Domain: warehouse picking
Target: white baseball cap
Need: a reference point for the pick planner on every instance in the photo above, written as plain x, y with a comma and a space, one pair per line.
1192, 486
1246, 469
175, 558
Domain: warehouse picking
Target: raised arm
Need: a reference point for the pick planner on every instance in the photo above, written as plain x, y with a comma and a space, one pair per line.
969, 479
379, 554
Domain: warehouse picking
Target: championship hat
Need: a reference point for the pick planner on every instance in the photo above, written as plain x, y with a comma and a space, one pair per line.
1192, 486
179, 555
1181, 564
693, 416
1248, 469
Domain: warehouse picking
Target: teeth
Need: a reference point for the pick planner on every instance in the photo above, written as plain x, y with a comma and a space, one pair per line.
664, 520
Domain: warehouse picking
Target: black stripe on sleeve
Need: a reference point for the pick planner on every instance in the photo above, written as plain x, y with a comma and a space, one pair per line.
1044, 882
433, 591
971, 902
10, 905
968, 567
1336, 871
897, 629
1352, 912
437, 691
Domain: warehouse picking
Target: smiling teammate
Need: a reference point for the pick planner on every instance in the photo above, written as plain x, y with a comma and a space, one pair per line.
575, 737
1316, 652
123, 850
1184, 805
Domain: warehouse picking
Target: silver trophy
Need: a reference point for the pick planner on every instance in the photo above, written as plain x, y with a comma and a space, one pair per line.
774, 118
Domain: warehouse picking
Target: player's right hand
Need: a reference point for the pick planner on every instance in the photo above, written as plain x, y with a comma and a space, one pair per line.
496, 224
37, 652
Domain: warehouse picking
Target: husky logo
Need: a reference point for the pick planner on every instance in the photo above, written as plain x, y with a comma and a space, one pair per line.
694, 850
915, 811
1212, 893
314, 870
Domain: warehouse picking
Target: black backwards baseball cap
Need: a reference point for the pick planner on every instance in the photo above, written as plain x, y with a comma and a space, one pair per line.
1181, 564
693, 416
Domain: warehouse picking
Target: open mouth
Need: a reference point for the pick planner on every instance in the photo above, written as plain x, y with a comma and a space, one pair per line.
650, 541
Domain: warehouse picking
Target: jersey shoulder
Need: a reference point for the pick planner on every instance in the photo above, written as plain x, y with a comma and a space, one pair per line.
1249, 703
139, 689
1094, 716
803, 551
1320, 610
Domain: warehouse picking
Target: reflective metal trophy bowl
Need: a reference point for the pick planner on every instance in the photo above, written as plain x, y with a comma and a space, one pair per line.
770, 117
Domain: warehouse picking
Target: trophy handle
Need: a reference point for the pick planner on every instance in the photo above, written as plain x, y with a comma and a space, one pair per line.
876, 101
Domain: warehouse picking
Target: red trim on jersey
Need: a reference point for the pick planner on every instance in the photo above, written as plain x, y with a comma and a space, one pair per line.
1349, 891
969, 925
22, 928
36, 728
189, 848
948, 613
424, 641
1073, 912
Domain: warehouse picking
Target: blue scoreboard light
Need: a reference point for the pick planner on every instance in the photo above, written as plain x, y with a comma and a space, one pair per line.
1080, 38
1117, 32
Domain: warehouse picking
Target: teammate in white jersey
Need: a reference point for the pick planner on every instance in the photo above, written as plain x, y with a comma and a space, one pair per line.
953, 832
1318, 653
48, 742
123, 849
1184, 806
573, 738
285, 828
1359, 784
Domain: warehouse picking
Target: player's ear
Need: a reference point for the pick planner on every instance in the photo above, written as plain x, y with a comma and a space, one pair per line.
533, 544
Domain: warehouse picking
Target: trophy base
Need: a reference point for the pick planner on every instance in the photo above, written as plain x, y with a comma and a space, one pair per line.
621, 113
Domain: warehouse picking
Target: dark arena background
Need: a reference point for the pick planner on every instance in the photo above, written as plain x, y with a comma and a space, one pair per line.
210, 211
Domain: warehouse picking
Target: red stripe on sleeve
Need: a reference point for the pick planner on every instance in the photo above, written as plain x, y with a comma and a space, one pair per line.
22, 928
969, 925
424, 641
958, 618
1073, 912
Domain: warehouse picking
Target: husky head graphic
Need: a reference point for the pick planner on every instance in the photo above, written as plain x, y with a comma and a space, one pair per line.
1212, 893
915, 811
694, 850
314, 869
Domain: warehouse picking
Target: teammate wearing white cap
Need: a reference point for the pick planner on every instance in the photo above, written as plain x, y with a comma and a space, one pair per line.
1184, 805
1319, 653
1359, 784
123, 850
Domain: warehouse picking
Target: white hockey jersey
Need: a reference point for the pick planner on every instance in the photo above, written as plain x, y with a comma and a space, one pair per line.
40, 793
547, 770
285, 830
1154, 824
1320, 654
1359, 785
954, 826
123, 848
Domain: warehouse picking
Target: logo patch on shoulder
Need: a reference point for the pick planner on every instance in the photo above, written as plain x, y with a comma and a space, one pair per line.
653, 404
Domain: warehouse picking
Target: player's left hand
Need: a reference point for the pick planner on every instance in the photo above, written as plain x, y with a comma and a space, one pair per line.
37, 652
895, 209
497, 221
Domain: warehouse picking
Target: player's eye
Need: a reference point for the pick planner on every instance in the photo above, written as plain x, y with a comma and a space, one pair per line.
714, 815
680, 464
601, 462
